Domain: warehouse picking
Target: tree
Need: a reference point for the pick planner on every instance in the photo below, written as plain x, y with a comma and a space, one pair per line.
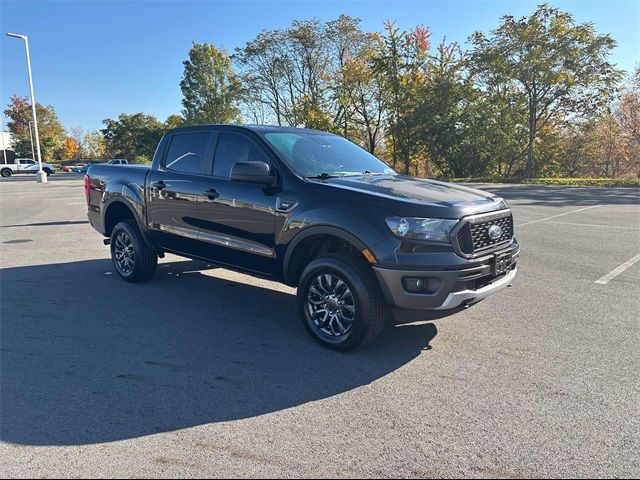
51, 132
448, 113
132, 136
628, 116
89, 144
79, 149
287, 75
93, 145
399, 59
561, 67
609, 146
173, 121
70, 148
346, 43
357, 91
361, 90
307, 50
264, 74
209, 87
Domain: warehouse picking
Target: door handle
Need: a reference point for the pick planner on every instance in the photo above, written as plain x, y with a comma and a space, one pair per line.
211, 194
159, 185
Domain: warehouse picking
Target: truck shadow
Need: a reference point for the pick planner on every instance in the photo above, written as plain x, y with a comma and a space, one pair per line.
86, 358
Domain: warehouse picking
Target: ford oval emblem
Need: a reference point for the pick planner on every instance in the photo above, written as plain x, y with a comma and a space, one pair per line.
494, 232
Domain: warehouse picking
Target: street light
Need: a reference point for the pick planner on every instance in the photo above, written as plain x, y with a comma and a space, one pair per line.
4, 148
41, 177
31, 138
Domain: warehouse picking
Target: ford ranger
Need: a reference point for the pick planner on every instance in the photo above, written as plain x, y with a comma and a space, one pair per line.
312, 210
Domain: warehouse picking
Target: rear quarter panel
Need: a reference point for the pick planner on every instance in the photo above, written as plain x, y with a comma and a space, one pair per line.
116, 183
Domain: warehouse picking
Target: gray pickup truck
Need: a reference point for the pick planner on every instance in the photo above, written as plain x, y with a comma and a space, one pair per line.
314, 211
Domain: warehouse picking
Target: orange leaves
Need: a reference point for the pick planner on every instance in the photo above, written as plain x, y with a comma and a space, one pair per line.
419, 38
70, 148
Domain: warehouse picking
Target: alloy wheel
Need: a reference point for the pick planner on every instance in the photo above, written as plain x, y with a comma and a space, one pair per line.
124, 256
331, 305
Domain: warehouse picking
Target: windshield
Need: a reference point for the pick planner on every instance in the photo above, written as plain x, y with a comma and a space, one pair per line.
314, 154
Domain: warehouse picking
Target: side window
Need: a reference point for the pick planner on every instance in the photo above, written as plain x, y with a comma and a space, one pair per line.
186, 152
234, 148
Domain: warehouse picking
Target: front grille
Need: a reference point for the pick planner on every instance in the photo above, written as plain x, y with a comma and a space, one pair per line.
473, 238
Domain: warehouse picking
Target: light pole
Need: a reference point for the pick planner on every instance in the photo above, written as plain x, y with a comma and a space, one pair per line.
41, 177
31, 137
4, 148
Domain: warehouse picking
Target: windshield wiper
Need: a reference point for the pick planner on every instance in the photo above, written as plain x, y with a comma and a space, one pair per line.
322, 176
325, 175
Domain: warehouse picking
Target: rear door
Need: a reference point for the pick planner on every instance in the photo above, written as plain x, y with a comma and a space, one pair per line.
174, 191
237, 219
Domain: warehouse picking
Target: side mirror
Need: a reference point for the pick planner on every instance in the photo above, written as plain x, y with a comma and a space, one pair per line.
252, 172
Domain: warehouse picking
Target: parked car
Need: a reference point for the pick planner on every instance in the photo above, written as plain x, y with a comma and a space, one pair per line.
24, 165
81, 168
118, 161
314, 211
71, 166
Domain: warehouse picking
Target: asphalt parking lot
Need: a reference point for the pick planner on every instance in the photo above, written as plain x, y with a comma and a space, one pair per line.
206, 372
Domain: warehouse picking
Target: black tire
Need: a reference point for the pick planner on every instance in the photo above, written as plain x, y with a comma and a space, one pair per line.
6, 172
369, 317
47, 171
140, 262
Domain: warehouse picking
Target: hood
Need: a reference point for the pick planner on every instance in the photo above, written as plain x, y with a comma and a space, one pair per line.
413, 196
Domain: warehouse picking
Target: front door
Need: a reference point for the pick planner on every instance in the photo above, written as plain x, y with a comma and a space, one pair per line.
237, 219
27, 166
174, 190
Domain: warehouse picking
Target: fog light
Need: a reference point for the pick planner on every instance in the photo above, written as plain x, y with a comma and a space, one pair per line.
412, 284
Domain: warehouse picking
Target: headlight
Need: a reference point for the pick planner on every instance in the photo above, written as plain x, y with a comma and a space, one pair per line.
434, 229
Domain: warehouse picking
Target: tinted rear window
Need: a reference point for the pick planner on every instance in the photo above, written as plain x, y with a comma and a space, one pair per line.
186, 152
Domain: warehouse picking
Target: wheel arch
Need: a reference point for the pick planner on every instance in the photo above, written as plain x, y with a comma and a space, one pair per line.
117, 209
307, 244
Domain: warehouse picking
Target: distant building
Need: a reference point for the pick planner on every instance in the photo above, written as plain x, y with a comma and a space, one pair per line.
6, 140
6, 144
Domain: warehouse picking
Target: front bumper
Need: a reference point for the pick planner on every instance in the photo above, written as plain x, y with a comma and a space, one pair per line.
446, 288
466, 297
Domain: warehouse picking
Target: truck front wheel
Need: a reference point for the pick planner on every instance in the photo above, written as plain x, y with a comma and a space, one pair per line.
6, 172
132, 258
340, 302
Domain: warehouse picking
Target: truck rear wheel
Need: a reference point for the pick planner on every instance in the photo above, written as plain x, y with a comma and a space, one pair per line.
132, 258
6, 172
340, 302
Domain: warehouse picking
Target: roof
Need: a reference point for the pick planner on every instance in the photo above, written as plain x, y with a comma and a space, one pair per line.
255, 128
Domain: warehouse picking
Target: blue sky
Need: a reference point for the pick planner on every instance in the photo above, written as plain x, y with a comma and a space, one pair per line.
96, 59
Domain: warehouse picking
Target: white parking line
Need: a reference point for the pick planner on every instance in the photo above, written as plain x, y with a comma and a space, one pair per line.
47, 199
556, 216
590, 225
614, 273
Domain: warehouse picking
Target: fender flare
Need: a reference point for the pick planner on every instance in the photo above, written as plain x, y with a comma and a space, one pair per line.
127, 203
318, 230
